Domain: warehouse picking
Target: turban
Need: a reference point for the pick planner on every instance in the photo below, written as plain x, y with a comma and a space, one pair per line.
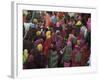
35, 21
79, 23
25, 55
39, 47
48, 33
38, 33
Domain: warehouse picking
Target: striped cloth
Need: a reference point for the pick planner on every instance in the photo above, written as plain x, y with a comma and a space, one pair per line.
53, 59
67, 54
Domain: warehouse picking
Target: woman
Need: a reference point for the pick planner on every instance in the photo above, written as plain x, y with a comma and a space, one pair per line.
53, 57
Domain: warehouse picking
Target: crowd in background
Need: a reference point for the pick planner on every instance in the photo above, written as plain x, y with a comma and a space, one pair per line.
56, 39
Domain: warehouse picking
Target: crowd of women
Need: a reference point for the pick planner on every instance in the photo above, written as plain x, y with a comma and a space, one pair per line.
56, 39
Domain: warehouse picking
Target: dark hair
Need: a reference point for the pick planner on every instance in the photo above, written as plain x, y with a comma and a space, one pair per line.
85, 18
50, 13
28, 17
54, 46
